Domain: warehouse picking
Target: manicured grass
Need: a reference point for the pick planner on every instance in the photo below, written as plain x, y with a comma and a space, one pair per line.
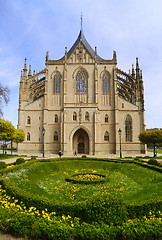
130, 182
6, 156
152, 150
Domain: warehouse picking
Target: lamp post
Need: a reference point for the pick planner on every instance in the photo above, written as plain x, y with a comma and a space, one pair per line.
43, 131
120, 131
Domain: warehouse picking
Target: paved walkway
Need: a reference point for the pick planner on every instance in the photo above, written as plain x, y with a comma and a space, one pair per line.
112, 156
9, 237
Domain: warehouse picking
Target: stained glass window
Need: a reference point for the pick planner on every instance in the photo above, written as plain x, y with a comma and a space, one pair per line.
81, 83
128, 129
106, 136
105, 83
56, 84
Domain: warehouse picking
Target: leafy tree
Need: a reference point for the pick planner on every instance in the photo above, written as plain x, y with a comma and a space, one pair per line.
6, 130
4, 95
9, 133
153, 136
18, 136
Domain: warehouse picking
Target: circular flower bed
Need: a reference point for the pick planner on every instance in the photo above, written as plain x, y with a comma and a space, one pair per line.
87, 178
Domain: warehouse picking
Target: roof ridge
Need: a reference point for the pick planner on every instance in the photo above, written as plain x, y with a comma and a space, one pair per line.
81, 38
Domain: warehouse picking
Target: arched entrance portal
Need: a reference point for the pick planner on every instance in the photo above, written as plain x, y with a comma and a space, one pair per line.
81, 142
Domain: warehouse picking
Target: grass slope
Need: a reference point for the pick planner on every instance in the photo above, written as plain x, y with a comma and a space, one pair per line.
129, 181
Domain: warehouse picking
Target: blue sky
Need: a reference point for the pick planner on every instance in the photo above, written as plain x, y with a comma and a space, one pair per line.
29, 28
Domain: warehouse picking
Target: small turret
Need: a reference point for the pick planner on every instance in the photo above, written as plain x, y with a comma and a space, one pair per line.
47, 56
29, 74
114, 56
137, 69
65, 54
95, 53
133, 72
25, 71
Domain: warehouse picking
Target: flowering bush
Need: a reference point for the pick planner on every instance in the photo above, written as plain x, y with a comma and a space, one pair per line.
87, 178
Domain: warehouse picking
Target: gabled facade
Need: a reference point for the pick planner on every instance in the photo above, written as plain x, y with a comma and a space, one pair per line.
81, 100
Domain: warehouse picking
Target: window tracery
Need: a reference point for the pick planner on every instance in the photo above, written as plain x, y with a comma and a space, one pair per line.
81, 83
105, 83
56, 84
106, 136
128, 129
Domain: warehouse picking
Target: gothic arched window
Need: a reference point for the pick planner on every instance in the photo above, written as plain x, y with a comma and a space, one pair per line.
81, 83
128, 129
106, 136
56, 83
105, 83
106, 118
28, 136
74, 116
28, 120
87, 116
56, 118
55, 136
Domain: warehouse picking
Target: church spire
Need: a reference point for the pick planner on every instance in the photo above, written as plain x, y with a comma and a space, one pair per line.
81, 19
25, 71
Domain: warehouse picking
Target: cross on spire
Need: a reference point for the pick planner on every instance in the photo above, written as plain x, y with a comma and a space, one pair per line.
81, 18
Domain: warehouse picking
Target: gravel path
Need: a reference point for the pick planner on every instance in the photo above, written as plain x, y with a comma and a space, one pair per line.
9, 237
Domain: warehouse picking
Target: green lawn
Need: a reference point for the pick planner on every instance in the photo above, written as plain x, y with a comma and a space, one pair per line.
152, 150
6, 156
129, 181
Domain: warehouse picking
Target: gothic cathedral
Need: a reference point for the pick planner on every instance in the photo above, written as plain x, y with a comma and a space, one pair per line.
82, 103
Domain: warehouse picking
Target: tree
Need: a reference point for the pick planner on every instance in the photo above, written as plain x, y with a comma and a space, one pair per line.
6, 130
153, 136
9, 133
19, 135
4, 95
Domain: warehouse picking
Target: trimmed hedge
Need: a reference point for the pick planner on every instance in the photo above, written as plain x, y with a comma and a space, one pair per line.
153, 162
20, 161
75, 209
39, 228
3, 165
95, 181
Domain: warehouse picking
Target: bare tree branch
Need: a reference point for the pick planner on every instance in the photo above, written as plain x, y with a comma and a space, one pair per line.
4, 96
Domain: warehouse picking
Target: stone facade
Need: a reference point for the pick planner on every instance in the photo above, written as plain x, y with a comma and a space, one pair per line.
81, 100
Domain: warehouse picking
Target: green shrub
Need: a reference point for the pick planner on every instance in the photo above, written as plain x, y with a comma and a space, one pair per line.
143, 208
107, 209
84, 156
20, 160
153, 162
3, 165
